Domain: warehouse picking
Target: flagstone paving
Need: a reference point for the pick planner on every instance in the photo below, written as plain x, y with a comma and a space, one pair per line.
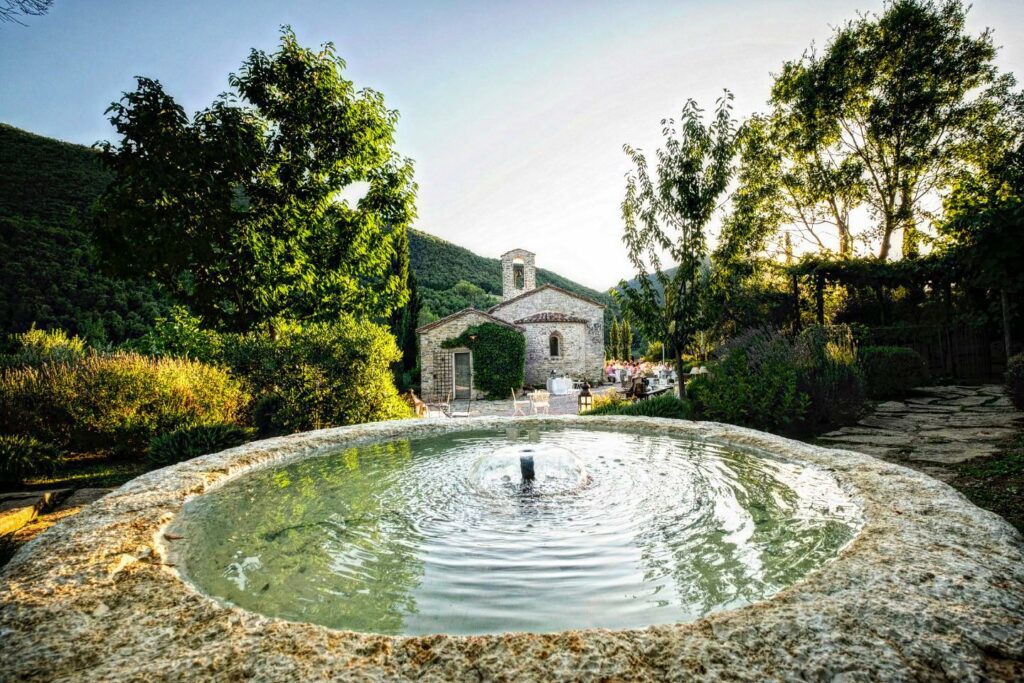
934, 428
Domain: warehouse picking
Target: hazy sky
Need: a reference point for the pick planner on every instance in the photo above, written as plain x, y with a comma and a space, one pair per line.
514, 112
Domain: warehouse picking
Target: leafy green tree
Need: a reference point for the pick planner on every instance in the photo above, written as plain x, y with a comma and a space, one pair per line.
241, 211
666, 217
626, 334
613, 341
986, 222
882, 118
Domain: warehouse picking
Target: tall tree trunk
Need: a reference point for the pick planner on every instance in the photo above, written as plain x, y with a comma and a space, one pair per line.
1007, 338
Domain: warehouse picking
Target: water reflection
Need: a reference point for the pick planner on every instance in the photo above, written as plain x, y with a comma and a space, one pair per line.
394, 538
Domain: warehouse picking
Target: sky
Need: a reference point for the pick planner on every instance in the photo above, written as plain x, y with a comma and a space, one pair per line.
515, 113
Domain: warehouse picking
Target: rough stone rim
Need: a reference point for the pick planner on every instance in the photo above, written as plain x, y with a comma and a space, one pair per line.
881, 609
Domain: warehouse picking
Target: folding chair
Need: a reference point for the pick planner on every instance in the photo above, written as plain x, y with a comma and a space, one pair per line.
517, 406
540, 399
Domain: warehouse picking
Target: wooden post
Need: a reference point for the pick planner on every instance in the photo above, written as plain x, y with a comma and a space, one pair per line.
819, 297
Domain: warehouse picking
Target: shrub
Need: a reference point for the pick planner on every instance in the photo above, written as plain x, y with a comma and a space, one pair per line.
185, 444
38, 347
117, 402
179, 333
755, 384
666, 405
1015, 379
499, 357
891, 371
829, 376
22, 456
318, 376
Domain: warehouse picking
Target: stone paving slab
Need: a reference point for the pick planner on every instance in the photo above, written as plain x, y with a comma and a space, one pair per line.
18, 508
937, 427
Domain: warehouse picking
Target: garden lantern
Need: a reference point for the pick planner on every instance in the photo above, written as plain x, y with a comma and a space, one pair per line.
586, 399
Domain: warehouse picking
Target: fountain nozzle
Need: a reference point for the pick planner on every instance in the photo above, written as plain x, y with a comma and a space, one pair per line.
526, 467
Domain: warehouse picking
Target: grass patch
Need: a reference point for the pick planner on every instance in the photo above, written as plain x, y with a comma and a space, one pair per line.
85, 471
996, 483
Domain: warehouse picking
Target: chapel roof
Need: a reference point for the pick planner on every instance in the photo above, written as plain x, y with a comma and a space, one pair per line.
459, 314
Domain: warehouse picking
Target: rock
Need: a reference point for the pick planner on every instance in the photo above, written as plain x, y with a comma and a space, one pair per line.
19, 508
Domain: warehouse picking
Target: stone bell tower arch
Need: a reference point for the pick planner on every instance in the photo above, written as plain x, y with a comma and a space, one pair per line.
518, 273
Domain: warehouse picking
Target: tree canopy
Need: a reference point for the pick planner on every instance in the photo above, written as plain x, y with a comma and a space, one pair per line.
666, 216
879, 121
244, 211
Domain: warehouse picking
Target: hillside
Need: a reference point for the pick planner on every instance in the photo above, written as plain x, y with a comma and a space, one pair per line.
451, 277
49, 276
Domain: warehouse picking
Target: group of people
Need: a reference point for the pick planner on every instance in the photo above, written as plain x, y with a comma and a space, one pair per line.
618, 371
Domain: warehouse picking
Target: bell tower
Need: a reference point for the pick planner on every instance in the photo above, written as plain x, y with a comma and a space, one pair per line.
518, 273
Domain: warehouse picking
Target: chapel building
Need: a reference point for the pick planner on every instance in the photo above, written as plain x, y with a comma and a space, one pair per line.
564, 334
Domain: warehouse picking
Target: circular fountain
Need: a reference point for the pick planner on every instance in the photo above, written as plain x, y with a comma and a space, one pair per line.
493, 531
528, 549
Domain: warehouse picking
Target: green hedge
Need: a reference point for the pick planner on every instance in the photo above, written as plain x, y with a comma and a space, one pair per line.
892, 371
666, 405
318, 376
186, 444
116, 403
1015, 379
499, 357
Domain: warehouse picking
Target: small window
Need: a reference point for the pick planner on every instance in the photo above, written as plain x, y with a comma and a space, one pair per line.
555, 343
518, 276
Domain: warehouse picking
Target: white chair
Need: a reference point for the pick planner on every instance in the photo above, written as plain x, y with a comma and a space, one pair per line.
517, 406
443, 408
540, 399
455, 412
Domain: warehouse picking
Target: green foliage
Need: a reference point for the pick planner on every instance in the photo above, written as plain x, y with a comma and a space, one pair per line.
666, 405
882, 117
23, 456
654, 352
829, 376
463, 294
115, 403
756, 384
185, 444
48, 275
499, 357
179, 333
614, 341
318, 376
626, 340
241, 213
892, 371
1015, 379
667, 216
36, 347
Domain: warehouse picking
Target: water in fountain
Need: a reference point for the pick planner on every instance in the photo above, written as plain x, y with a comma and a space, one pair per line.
441, 534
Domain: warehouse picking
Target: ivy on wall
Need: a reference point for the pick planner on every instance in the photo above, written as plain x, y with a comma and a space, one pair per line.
499, 357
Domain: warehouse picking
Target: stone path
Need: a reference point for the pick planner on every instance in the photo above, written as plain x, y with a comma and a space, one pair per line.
934, 428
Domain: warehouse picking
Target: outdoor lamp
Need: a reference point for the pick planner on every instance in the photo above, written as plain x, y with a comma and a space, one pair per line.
586, 399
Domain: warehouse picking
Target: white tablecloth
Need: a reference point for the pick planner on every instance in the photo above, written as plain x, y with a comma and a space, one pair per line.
559, 386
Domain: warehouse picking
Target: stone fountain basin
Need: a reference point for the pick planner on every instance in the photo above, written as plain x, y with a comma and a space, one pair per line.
931, 589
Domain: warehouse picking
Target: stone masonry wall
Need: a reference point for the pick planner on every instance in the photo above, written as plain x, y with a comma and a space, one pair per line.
584, 344
435, 374
508, 284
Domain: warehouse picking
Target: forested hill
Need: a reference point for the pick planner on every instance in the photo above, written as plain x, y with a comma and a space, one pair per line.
49, 277
451, 277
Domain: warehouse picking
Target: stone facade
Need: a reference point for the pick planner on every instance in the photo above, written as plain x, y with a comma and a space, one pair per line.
577, 323
436, 363
580, 324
